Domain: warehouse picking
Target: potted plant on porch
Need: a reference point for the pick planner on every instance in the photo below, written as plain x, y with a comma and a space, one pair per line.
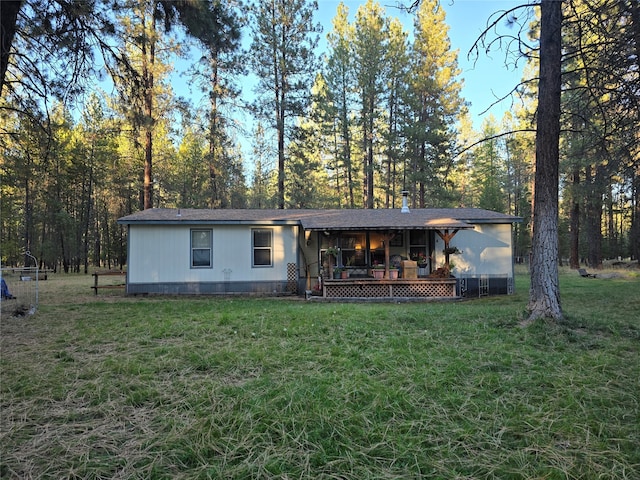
422, 262
393, 273
378, 272
340, 273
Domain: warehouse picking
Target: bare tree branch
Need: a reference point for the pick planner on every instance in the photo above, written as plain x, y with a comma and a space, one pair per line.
492, 137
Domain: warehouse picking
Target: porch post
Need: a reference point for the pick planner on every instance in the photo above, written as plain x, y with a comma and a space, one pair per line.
446, 236
387, 237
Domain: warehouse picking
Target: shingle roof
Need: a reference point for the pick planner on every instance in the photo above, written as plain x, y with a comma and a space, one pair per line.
336, 219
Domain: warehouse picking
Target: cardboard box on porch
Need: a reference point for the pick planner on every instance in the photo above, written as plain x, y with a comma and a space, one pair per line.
409, 269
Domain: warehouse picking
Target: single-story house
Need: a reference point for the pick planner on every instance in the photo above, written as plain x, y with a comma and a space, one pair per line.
255, 251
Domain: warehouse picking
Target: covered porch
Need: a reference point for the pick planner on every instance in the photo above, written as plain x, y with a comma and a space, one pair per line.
396, 260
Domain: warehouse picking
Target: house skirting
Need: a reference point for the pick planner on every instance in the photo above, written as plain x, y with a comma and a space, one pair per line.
213, 288
401, 288
463, 286
480, 285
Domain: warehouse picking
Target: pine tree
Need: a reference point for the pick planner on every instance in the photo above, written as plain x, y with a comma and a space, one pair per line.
262, 193
398, 61
371, 68
489, 170
340, 78
223, 65
282, 57
544, 295
435, 101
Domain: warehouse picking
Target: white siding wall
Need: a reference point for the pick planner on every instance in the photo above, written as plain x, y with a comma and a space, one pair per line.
161, 253
486, 250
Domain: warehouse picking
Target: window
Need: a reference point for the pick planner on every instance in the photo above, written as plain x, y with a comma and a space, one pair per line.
201, 249
353, 249
262, 247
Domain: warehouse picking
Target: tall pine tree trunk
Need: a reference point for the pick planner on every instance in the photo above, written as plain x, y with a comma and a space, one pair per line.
281, 158
544, 295
612, 231
148, 59
634, 235
280, 94
214, 158
148, 143
347, 158
367, 145
370, 162
593, 212
574, 232
88, 208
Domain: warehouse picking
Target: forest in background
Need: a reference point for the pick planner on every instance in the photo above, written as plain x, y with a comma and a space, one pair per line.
378, 112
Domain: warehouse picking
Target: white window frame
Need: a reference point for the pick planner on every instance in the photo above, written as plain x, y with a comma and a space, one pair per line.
209, 248
268, 248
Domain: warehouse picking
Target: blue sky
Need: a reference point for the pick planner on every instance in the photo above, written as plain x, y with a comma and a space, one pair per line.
489, 78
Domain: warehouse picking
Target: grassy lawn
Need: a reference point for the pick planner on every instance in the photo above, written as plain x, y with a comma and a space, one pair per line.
249, 388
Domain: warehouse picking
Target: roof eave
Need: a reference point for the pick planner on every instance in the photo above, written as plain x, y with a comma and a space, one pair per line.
479, 221
208, 222
387, 228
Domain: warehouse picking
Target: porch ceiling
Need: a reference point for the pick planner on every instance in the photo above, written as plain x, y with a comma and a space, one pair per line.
380, 220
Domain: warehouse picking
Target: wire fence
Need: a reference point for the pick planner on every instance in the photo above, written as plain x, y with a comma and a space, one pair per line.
19, 290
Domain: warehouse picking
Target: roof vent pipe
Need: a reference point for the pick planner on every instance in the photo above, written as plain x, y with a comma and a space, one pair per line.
405, 202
